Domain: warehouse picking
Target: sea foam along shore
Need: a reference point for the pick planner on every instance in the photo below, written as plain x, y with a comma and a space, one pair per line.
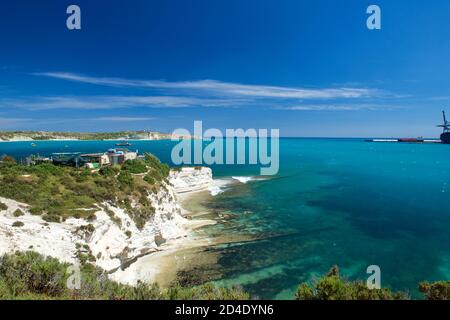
112, 240
243, 179
220, 185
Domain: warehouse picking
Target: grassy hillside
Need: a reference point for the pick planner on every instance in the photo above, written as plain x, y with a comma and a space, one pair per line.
57, 192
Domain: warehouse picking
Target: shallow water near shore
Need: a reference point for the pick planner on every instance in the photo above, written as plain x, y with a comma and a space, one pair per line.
334, 202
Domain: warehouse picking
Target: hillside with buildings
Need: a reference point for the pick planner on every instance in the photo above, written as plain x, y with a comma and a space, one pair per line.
110, 216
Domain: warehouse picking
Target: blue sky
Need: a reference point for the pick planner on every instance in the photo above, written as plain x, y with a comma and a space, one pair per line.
309, 68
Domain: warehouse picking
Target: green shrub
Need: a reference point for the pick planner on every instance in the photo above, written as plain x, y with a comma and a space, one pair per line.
86, 229
141, 215
17, 213
135, 166
206, 292
149, 179
28, 275
144, 201
436, 291
51, 218
29, 272
112, 215
109, 171
126, 180
333, 287
18, 224
159, 170
36, 210
3, 206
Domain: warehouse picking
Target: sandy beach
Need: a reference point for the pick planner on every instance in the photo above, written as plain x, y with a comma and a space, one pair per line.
178, 254
179, 259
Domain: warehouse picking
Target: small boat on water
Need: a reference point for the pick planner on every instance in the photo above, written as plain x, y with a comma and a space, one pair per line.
33, 144
123, 144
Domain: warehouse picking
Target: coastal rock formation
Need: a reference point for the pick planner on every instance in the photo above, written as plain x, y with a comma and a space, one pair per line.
112, 240
191, 179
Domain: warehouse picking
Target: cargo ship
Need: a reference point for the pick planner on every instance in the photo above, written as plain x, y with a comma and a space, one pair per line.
445, 136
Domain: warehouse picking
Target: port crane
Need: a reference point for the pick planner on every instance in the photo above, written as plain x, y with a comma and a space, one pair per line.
445, 136
446, 124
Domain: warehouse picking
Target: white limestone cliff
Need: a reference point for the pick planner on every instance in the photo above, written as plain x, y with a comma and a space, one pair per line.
113, 238
191, 179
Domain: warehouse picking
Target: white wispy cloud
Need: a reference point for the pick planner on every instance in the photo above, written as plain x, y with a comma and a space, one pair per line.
7, 123
124, 119
112, 102
199, 93
4, 121
337, 107
440, 98
221, 88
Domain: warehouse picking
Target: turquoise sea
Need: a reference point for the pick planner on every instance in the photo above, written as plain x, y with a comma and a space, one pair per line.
339, 202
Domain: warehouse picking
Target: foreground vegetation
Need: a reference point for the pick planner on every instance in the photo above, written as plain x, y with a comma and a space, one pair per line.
57, 192
333, 287
28, 275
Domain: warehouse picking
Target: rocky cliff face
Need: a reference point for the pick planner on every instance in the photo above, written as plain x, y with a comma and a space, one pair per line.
191, 179
112, 241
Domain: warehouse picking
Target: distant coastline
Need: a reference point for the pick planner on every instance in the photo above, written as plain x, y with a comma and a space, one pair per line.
35, 136
19, 136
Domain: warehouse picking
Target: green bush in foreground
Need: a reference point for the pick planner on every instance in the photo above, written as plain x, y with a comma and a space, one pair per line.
3, 206
333, 287
436, 291
28, 275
